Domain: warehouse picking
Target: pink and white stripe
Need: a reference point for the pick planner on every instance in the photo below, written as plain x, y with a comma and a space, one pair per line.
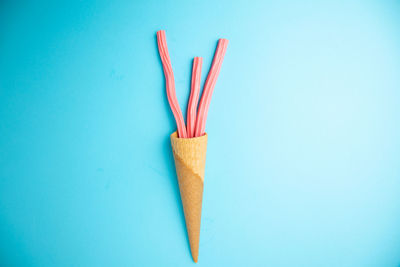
170, 83
194, 96
209, 85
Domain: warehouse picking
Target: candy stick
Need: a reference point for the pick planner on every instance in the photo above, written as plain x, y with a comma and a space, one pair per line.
194, 96
209, 87
170, 83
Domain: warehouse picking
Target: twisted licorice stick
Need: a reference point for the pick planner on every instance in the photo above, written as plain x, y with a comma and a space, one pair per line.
209, 87
170, 83
194, 96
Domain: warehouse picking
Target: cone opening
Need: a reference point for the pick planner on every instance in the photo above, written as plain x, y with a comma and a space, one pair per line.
174, 135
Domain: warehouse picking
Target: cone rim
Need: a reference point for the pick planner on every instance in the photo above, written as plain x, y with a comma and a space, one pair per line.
174, 135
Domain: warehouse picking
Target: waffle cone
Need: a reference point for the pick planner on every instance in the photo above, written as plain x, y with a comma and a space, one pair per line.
190, 159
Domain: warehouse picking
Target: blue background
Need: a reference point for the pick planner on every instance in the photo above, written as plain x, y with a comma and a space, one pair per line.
304, 133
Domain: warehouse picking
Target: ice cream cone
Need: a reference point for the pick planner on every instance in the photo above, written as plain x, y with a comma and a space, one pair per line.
190, 159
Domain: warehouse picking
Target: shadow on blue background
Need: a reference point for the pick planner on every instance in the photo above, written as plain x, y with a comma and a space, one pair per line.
304, 136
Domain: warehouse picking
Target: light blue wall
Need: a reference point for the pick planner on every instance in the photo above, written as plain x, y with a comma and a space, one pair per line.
304, 133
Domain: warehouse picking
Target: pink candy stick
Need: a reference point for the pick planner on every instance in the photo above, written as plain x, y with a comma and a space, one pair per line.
170, 83
209, 87
194, 96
